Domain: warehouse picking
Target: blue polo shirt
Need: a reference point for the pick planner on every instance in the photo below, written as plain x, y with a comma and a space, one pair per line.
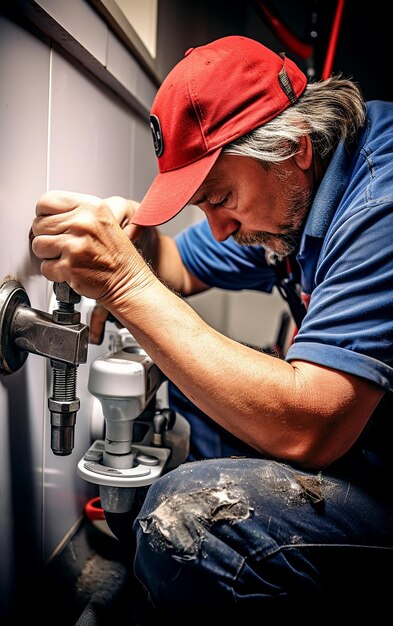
345, 257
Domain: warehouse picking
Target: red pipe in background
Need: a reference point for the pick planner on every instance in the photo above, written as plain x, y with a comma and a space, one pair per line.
331, 51
293, 44
296, 45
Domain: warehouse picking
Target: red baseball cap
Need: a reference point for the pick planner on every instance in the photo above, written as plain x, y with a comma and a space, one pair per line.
214, 95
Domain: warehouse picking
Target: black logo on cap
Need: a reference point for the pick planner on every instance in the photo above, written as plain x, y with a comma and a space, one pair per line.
157, 135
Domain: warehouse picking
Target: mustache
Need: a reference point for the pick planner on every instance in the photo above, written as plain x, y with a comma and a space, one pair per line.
263, 238
277, 246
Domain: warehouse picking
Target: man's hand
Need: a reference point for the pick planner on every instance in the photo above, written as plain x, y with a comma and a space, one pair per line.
123, 210
85, 241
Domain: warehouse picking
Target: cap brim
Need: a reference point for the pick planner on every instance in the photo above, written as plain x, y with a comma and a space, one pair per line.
171, 191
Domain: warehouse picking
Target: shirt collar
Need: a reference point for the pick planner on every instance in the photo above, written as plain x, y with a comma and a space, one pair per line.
329, 193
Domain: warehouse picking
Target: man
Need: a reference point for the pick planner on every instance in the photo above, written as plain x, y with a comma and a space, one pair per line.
281, 169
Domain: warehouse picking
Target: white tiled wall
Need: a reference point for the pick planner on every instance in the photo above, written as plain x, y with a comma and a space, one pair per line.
24, 74
60, 128
81, 22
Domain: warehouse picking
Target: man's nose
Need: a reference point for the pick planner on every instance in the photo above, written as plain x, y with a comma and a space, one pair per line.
221, 226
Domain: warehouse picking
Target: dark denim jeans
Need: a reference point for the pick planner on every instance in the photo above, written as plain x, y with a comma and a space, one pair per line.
242, 537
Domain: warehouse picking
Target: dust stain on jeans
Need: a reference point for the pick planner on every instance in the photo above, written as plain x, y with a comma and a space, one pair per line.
296, 487
179, 522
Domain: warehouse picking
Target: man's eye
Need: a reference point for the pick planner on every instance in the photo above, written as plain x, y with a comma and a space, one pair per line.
221, 201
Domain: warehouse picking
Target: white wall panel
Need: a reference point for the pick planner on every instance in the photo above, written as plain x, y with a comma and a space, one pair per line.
81, 22
145, 89
90, 134
121, 64
24, 72
60, 128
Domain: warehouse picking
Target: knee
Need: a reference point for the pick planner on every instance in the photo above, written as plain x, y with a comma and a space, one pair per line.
175, 531
159, 526
182, 505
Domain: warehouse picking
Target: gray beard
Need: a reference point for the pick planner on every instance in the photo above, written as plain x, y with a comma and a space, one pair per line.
278, 246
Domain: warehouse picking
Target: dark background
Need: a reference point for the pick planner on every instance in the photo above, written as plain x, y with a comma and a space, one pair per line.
363, 50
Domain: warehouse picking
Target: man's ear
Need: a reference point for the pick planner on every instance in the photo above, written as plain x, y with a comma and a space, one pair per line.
303, 158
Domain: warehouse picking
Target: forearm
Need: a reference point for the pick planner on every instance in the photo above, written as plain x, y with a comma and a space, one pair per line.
251, 394
297, 412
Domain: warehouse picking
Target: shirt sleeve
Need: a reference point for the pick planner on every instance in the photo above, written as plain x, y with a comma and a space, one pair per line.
349, 322
226, 264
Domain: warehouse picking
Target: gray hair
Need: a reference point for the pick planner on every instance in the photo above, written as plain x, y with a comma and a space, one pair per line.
328, 111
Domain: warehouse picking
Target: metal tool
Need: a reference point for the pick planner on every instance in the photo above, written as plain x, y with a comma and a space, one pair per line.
60, 337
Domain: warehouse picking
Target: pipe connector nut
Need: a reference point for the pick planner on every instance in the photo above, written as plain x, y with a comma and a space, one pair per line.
63, 406
66, 317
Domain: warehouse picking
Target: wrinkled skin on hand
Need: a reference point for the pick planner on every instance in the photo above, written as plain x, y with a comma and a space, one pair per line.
85, 241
